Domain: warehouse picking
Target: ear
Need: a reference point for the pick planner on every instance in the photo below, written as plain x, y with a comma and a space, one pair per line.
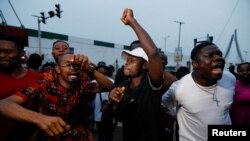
57, 69
194, 64
145, 65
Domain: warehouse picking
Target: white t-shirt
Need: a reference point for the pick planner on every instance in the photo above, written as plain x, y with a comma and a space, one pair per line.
198, 106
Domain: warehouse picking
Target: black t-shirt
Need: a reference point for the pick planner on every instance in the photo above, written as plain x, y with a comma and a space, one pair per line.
139, 111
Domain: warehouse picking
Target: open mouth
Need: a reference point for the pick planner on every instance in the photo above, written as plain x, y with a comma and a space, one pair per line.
73, 76
218, 69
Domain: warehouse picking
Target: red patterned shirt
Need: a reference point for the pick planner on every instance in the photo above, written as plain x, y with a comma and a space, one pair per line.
70, 104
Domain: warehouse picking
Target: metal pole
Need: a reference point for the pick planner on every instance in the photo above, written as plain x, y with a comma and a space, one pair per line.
179, 40
179, 35
165, 42
39, 36
245, 55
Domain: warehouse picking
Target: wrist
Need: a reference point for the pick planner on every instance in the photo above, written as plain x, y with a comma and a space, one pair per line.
92, 69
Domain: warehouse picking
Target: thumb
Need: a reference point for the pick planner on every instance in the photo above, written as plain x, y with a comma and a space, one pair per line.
123, 89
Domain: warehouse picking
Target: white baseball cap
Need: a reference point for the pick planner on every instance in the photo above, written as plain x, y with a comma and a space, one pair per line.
137, 52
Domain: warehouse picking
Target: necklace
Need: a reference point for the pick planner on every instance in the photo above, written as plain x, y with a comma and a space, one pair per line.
207, 91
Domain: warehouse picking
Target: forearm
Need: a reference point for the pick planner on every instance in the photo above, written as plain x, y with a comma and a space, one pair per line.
144, 38
155, 69
51, 125
103, 81
15, 111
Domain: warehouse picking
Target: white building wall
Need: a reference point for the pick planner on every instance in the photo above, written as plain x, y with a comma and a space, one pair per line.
94, 52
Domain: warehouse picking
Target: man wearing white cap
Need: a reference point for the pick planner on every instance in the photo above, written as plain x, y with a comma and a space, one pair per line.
138, 100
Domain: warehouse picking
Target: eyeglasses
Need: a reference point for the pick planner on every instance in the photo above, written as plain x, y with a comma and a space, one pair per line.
68, 65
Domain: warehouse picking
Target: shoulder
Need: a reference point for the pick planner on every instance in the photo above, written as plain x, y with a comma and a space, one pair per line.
227, 79
186, 79
169, 79
31, 73
184, 82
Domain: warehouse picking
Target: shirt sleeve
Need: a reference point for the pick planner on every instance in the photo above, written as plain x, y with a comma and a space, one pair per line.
168, 101
29, 92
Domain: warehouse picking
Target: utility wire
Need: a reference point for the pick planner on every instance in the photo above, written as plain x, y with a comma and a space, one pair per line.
236, 4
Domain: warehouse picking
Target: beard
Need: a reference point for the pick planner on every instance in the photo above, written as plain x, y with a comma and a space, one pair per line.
11, 68
134, 74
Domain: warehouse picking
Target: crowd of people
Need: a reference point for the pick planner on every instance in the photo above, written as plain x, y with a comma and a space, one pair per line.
72, 99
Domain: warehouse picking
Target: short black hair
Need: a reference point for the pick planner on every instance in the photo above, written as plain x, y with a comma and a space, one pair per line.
57, 41
35, 61
182, 71
14, 34
245, 63
198, 48
164, 57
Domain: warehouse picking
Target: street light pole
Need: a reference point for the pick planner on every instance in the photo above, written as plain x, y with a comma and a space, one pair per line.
179, 47
39, 34
42, 19
179, 39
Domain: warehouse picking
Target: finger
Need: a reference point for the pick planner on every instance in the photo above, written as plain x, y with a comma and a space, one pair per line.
67, 127
81, 58
59, 127
49, 132
124, 12
45, 129
63, 124
79, 61
76, 58
115, 99
124, 15
72, 59
54, 130
84, 62
121, 90
117, 96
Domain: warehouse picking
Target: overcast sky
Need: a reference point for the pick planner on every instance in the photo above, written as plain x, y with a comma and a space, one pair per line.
100, 20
